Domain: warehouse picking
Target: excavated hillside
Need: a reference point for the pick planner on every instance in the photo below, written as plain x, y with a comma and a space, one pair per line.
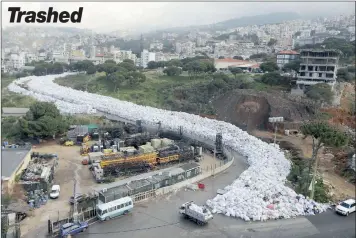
251, 109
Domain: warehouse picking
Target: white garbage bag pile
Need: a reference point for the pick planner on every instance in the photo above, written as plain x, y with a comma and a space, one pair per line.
196, 208
258, 194
64, 107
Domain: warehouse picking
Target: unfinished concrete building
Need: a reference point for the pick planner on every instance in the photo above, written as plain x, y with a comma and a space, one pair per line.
317, 66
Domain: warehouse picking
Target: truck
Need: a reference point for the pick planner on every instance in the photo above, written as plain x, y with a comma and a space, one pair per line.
198, 214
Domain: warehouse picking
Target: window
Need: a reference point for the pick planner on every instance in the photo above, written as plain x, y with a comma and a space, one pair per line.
130, 203
122, 205
345, 205
320, 75
353, 204
104, 212
126, 204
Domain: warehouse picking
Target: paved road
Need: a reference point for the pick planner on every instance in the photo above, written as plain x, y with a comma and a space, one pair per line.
160, 218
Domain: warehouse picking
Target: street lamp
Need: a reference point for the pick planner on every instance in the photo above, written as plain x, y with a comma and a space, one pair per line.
275, 120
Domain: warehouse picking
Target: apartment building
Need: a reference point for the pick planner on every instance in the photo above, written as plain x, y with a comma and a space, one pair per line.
146, 57
317, 66
121, 55
285, 57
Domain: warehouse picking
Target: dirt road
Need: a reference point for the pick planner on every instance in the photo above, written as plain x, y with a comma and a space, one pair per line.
69, 167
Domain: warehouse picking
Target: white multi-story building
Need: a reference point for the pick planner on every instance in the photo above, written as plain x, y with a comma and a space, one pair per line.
285, 57
121, 55
17, 61
317, 66
146, 57
166, 56
30, 57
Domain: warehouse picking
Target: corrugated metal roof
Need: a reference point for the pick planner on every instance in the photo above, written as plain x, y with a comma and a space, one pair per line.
15, 110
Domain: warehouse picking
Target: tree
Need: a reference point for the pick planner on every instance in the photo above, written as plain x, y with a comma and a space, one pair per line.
152, 65
117, 79
235, 71
91, 70
294, 65
238, 57
127, 66
109, 62
322, 135
269, 66
128, 61
42, 120
172, 71
272, 42
320, 92
275, 78
344, 75
39, 70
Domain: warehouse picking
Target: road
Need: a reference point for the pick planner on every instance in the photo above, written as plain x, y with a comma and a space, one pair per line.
160, 218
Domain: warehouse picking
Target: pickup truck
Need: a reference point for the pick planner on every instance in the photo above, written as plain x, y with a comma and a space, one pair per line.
199, 214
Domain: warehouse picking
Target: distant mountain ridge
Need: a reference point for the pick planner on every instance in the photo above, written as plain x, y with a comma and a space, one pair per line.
270, 18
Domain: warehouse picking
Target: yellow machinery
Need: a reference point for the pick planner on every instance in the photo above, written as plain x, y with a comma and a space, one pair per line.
86, 138
85, 149
69, 143
149, 158
167, 159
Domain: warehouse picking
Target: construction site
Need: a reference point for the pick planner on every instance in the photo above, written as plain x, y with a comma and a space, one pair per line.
125, 150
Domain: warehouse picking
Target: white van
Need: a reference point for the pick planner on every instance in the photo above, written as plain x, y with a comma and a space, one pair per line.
114, 208
346, 207
55, 191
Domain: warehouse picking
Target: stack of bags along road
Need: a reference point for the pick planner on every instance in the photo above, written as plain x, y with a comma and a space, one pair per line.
258, 194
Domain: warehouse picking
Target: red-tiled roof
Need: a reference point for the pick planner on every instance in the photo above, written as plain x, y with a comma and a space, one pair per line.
288, 52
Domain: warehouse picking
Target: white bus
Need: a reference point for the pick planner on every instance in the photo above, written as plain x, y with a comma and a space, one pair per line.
114, 208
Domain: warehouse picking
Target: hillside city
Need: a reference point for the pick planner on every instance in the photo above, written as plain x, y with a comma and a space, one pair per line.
241, 128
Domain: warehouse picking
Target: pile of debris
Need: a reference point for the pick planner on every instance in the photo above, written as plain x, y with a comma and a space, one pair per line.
37, 198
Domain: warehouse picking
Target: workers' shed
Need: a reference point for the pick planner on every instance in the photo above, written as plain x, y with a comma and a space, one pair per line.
13, 162
177, 175
14, 111
191, 170
159, 180
139, 186
111, 194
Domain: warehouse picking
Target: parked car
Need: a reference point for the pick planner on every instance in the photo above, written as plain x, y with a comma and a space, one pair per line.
79, 197
72, 228
346, 207
55, 191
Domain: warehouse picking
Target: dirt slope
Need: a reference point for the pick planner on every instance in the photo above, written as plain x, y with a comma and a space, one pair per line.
242, 107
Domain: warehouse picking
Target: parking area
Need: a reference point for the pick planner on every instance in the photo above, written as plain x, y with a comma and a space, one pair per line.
69, 167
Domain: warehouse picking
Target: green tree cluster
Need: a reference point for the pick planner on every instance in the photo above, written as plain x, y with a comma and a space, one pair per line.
41, 121
269, 66
320, 92
172, 71
43, 68
346, 74
275, 78
294, 65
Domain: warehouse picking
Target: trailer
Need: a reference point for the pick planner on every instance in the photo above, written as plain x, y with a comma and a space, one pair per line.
199, 214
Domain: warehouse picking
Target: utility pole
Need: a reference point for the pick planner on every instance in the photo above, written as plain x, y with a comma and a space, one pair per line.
75, 208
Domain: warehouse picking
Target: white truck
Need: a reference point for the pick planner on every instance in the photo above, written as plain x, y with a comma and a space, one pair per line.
199, 214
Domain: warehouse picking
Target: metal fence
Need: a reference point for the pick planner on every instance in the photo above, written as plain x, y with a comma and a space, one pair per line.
144, 195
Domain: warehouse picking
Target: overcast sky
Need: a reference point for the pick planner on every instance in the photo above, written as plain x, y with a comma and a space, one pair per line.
111, 16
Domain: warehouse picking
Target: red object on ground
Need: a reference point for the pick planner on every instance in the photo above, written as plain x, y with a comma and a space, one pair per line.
85, 162
201, 185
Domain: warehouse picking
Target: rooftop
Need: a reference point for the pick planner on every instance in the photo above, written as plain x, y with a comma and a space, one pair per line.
14, 110
11, 159
288, 52
320, 50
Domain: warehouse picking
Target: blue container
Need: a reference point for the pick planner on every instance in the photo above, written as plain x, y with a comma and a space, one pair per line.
5, 143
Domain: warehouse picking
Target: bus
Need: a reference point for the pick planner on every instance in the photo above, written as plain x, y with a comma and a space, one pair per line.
115, 208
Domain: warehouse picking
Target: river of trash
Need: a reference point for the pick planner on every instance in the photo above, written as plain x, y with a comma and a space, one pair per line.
258, 194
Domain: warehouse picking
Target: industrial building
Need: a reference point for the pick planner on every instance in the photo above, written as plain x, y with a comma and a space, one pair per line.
148, 182
13, 162
317, 66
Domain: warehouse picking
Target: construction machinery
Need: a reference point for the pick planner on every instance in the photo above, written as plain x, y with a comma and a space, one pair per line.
198, 214
85, 149
66, 142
